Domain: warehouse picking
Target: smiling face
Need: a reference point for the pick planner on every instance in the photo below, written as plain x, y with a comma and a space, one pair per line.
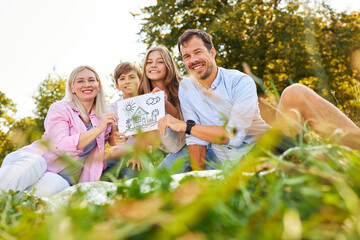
85, 86
155, 68
198, 61
128, 83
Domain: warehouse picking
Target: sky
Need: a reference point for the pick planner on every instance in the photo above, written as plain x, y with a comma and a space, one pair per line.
42, 37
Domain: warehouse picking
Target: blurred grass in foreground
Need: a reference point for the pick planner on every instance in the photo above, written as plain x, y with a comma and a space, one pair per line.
313, 193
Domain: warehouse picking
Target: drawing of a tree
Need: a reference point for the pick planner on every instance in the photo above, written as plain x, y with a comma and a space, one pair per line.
154, 115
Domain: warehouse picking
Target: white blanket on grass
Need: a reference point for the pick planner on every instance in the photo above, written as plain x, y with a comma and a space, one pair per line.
99, 192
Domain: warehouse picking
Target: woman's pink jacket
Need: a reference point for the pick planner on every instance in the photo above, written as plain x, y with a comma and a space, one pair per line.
63, 127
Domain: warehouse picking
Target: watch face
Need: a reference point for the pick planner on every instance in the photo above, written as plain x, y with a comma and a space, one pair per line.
191, 122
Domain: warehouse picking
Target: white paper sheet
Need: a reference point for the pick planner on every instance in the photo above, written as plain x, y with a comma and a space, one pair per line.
142, 112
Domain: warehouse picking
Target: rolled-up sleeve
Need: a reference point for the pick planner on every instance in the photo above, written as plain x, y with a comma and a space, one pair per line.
243, 110
57, 126
189, 113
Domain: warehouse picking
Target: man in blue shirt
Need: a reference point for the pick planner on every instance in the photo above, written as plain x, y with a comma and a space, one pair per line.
220, 107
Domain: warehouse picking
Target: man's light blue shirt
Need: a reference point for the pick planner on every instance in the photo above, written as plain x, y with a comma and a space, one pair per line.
231, 102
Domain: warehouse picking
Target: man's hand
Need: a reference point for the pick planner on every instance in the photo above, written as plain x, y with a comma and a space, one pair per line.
171, 122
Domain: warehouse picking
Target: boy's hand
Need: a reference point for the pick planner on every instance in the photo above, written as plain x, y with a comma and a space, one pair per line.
115, 137
120, 138
135, 162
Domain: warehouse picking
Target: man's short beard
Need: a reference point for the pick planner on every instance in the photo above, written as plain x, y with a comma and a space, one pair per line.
207, 73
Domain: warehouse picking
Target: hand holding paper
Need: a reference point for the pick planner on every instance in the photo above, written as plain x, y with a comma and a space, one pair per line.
141, 112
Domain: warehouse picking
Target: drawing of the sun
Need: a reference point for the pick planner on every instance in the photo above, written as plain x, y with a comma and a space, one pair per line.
129, 108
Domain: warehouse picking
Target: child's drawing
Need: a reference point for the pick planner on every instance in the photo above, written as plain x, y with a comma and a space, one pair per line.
141, 112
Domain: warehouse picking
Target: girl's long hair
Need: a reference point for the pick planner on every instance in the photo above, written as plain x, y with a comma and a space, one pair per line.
99, 104
172, 80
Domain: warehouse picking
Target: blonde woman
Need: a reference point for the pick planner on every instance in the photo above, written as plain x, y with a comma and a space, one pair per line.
77, 126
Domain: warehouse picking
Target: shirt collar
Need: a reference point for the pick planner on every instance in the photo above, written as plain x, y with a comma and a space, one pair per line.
217, 80
92, 112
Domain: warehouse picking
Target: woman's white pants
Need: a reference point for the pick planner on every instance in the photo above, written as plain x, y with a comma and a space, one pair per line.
22, 170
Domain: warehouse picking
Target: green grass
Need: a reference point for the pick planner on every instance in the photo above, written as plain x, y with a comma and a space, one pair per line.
312, 194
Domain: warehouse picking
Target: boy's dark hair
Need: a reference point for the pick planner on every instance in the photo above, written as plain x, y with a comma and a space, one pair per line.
190, 33
126, 67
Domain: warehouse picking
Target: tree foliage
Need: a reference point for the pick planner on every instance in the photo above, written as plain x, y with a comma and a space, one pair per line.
283, 41
7, 110
18, 133
49, 91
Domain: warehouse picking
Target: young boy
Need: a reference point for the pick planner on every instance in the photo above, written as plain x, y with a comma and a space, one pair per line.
127, 78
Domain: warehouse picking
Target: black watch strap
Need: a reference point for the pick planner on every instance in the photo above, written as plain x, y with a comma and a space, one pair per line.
189, 125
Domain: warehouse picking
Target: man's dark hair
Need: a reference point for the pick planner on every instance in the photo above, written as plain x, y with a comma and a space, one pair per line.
190, 33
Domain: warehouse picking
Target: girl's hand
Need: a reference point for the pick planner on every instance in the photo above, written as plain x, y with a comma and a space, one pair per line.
135, 162
106, 120
159, 90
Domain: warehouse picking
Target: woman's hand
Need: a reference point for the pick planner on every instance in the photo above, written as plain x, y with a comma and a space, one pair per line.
106, 120
87, 137
135, 162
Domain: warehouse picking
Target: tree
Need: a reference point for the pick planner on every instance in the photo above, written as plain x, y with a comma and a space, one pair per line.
7, 110
26, 130
282, 41
6, 145
49, 91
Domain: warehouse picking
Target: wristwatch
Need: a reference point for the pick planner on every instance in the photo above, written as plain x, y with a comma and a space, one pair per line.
189, 125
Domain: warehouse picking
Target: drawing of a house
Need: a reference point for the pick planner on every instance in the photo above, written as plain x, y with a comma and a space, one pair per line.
140, 117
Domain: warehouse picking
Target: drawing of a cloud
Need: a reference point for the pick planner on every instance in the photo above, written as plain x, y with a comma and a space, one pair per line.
153, 101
